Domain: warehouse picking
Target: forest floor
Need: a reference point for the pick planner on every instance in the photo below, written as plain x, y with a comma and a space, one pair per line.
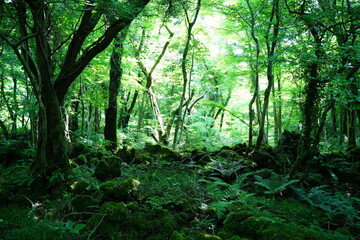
156, 193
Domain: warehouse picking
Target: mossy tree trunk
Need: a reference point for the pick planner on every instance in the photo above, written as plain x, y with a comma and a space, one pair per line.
110, 131
34, 29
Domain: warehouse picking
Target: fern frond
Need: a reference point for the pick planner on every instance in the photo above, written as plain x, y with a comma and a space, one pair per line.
275, 184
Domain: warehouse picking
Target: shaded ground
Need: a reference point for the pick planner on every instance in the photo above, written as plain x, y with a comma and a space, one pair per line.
156, 193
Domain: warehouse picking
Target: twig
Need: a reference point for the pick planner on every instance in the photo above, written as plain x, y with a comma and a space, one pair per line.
96, 226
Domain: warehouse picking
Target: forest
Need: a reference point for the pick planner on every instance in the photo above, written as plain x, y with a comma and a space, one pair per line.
179, 119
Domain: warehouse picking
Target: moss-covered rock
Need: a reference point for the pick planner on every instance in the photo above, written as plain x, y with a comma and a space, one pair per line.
127, 154
120, 191
229, 155
97, 153
209, 237
111, 218
290, 231
177, 236
165, 225
253, 226
204, 160
13, 151
240, 224
117, 219
232, 223
163, 153
83, 203
80, 187
81, 159
108, 167
78, 148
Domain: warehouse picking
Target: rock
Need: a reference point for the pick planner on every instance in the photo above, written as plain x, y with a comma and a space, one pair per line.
108, 168
81, 159
177, 236
229, 155
83, 203
120, 191
116, 218
13, 151
77, 149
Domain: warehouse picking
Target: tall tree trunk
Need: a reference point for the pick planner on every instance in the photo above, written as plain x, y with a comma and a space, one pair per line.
162, 135
51, 160
310, 111
271, 43
183, 68
110, 131
255, 77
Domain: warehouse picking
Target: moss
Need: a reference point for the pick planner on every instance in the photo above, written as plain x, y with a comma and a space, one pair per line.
253, 226
96, 153
13, 151
177, 236
108, 167
209, 237
237, 238
204, 160
120, 191
165, 225
127, 154
117, 219
81, 159
290, 231
343, 231
83, 203
183, 218
77, 149
163, 152
133, 206
229, 155
140, 223
80, 187
232, 223
111, 218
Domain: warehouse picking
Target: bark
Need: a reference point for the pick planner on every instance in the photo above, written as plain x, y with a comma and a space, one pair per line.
4, 130
310, 111
183, 67
110, 131
126, 111
255, 77
271, 46
162, 135
51, 160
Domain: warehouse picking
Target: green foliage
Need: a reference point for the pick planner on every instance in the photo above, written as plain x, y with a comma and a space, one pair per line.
224, 195
117, 190
334, 204
275, 184
18, 224
69, 226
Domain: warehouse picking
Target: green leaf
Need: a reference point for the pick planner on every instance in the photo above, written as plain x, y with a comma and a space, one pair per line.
69, 224
79, 227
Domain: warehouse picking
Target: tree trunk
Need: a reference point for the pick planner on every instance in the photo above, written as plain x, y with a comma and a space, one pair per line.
183, 68
51, 163
271, 43
110, 131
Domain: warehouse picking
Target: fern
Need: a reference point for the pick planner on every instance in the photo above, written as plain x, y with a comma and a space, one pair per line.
333, 204
224, 195
275, 184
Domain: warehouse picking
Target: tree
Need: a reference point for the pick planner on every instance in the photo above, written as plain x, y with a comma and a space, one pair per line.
33, 45
114, 87
190, 25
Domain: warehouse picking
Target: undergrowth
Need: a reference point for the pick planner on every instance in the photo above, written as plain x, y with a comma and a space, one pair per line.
224, 198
